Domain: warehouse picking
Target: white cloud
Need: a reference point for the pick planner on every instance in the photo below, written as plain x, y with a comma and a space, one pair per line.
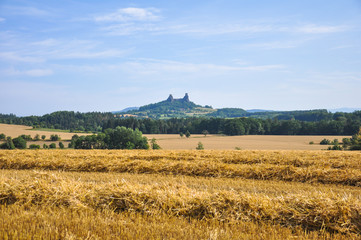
17, 57
314, 29
130, 14
80, 50
46, 43
26, 11
136, 23
2, 19
88, 55
124, 29
129, 28
262, 68
274, 45
159, 69
165, 67
153, 66
49, 49
30, 73
220, 29
39, 72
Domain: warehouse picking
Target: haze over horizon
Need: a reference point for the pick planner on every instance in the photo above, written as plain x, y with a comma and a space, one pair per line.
106, 56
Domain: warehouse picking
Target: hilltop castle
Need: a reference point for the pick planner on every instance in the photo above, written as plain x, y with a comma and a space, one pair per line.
184, 99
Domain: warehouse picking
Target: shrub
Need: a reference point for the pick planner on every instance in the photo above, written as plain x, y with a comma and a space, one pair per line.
34, 146
43, 137
54, 137
45, 146
129, 145
3, 146
26, 137
118, 138
355, 147
154, 144
37, 137
61, 145
188, 134
311, 143
205, 132
200, 146
346, 141
356, 141
52, 145
2, 136
335, 147
8, 144
75, 137
325, 142
19, 142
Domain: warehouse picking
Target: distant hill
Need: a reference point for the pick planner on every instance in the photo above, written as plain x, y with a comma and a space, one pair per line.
228, 113
345, 110
126, 110
183, 107
258, 110
171, 108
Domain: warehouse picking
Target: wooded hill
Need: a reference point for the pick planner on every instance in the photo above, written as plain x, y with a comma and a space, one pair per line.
181, 115
183, 107
170, 108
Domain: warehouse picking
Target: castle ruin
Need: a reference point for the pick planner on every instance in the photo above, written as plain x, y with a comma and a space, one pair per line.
184, 99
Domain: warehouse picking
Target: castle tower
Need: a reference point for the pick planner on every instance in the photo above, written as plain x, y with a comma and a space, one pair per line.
170, 98
186, 98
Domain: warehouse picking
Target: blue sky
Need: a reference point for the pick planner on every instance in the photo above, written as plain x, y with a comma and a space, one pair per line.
109, 55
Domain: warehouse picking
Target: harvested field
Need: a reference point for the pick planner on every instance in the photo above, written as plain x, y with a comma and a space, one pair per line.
103, 194
17, 130
252, 142
300, 166
217, 142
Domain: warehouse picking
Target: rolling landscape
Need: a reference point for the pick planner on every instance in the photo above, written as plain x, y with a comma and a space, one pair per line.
187, 185
185, 119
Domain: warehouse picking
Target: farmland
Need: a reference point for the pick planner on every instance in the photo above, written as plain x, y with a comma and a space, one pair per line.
250, 142
180, 194
217, 142
17, 130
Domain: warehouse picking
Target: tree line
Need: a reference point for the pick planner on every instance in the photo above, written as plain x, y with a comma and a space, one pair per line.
296, 123
67, 120
20, 142
241, 126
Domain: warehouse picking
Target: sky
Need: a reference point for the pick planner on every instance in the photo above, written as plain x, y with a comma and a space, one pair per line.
86, 56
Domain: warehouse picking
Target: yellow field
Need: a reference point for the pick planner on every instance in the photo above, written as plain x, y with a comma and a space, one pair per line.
17, 130
217, 142
211, 194
251, 142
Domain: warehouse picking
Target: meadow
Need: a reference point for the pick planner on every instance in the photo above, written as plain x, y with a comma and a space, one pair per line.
180, 194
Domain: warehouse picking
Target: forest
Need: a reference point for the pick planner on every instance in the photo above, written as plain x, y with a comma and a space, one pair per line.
286, 123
